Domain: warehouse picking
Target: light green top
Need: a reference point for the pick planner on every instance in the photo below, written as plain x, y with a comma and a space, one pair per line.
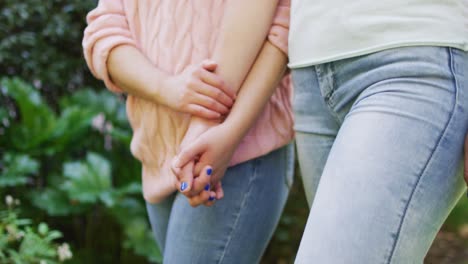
328, 30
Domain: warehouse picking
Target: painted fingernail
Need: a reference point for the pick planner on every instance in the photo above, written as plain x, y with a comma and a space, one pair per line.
209, 171
207, 187
211, 198
183, 186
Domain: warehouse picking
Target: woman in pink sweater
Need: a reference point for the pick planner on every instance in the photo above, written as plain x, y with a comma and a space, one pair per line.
157, 52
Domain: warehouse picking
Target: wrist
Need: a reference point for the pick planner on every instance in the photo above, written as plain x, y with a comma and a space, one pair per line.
232, 133
157, 85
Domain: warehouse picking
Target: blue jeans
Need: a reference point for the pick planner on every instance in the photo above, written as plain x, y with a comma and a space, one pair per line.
380, 144
237, 228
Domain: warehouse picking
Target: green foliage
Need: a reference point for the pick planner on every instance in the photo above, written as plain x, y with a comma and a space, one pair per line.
71, 165
17, 169
41, 42
22, 242
87, 181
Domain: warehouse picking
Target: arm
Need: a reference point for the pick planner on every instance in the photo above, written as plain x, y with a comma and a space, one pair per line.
217, 145
240, 25
197, 90
242, 35
248, 26
112, 56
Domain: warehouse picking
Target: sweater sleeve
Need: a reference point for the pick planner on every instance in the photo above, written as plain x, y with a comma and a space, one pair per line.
278, 34
107, 28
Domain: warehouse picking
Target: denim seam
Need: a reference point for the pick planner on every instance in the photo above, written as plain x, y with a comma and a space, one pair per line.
243, 203
327, 92
444, 131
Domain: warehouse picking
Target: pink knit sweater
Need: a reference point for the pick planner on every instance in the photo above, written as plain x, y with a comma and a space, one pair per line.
174, 34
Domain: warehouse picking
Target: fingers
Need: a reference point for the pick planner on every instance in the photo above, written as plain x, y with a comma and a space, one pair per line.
221, 88
212, 90
201, 190
211, 104
202, 112
218, 189
201, 183
188, 154
211, 200
209, 65
217, 193
205, 197
186, 178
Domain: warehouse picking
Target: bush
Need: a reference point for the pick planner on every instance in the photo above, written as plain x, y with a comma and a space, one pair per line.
20, 242
65, 146
74, 170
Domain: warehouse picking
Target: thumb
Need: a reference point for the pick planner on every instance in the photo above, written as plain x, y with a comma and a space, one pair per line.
209, 65
218, 188
186, 178
187, 154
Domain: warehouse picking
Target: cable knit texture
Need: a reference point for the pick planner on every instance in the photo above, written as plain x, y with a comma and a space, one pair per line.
173, 35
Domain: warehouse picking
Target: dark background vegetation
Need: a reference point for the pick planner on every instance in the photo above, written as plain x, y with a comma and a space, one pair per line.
64, 145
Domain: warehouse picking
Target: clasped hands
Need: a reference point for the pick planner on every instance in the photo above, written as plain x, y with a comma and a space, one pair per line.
209, 144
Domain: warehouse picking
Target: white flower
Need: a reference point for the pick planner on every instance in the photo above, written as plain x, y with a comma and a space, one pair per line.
38, 85
19, 235
108, 127
43, 262
12, 233
64, 252
9, 200
98, 122
11, 230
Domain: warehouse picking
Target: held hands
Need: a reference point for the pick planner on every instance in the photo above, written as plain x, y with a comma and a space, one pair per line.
198, 91
214, 147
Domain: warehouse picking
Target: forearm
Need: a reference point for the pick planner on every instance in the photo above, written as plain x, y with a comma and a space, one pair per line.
245, 25
259, 86
134, 73
242, 34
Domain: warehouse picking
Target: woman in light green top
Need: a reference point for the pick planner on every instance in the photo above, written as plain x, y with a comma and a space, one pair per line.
381, 108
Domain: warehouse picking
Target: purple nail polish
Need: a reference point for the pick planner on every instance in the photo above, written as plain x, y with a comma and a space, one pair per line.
211, 198
207, 187
209, 171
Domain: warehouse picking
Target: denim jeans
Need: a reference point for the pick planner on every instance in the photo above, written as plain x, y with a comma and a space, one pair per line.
380, 143
237, 228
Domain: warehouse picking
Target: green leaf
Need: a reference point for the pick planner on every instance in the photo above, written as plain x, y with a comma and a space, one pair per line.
86, 181
43, 229
37, 120
3, 114
72, 125
33, 245
54, 234
108, 198
56, 202
17, 170
104, 101
131, 188
23, 222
